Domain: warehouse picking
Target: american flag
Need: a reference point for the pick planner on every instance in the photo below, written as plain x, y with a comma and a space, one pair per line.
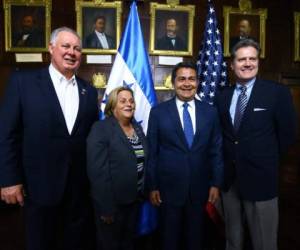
212, 70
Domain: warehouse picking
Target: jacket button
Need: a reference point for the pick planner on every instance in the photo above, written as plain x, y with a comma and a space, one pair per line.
236, 142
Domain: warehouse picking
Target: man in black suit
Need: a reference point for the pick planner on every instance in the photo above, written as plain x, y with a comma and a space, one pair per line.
98, 39
29, 35
185, 166
171, 41
45, 118
259, 123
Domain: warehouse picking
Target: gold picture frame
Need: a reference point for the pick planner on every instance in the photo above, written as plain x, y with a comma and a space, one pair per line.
233, 17
297, 36
183, 17
27, 25
88, 14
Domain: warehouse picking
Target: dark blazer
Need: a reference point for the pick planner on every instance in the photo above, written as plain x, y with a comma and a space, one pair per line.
35, 146
252, 154
112, 165
165, 43
177, 171
93, 42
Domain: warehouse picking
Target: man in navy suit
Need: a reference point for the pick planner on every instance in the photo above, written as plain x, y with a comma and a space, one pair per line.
258, 121
185, 166
98, 39
45, 118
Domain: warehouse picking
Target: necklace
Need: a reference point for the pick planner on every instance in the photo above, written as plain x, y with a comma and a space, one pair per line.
134, 138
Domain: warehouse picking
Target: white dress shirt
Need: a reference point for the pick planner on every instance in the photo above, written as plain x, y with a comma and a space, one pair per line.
102, 39
67, 94
191, 109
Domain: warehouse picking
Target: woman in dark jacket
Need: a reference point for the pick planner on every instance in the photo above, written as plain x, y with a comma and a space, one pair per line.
116, 150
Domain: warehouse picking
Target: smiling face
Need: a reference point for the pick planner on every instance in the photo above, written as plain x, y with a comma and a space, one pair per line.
186, 84
66, 53
125, 106
245, 64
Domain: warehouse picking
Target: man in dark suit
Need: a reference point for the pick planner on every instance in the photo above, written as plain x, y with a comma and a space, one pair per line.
98, 39
185, 166
171, 41
258, 121
45, 118
29, 35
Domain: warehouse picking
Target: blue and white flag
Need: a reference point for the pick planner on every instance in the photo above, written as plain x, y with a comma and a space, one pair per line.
131, 68
212, 71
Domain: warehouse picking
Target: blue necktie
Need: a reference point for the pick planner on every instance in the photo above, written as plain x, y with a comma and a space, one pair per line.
240, 108
187, 125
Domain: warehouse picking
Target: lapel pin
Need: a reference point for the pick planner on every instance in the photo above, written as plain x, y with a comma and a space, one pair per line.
83, 91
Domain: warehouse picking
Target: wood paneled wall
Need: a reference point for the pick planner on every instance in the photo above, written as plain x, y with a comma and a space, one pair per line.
277, 65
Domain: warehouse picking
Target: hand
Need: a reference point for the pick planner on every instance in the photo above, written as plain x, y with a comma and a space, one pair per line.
214, 195
155, 198
107, 219
13, 194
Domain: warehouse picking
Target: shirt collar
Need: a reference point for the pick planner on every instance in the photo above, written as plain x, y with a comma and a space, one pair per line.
59, 77
99, 33
180, 103
248, 84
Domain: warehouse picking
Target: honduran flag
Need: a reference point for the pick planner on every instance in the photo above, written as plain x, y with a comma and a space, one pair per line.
131, 68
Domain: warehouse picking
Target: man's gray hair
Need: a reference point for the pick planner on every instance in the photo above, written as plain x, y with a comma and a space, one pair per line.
245, 43
55, 33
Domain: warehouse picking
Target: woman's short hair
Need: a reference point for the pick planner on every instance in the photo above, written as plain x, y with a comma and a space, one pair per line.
113, 99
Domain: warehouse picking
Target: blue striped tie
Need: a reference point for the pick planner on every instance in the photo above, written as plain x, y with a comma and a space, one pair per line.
240, 107
187, 125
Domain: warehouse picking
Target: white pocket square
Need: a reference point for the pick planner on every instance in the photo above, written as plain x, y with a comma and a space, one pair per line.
259, 109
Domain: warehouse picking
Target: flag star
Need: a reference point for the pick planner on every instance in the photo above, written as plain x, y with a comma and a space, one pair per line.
205, 73
217, 31
209, 31
211, 10
208, 52
208, 42
201, 94
127, 85
203, 84
211, 94
207, 63
222, 83
224, 64
223, 73
215, 63
212, 84
210, 21
216, 53
217, 42
214, 73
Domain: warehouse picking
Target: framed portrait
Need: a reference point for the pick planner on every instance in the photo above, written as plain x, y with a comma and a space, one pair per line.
240, 24
171, 29
99, 25
27, 25
297, 36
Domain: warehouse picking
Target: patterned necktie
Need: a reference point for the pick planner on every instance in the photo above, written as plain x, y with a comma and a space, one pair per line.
187, 125
240, 107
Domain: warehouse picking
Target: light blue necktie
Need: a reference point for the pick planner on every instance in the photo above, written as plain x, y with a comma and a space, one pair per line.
187, 125
240, 108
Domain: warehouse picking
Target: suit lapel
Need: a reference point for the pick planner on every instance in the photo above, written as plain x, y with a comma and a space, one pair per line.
82, 93
173, 112
227, 104
51, 98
